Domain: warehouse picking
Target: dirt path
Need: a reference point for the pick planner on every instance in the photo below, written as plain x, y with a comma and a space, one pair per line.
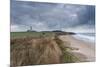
86, 50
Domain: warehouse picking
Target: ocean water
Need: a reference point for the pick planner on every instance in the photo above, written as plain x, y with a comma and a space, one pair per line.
88, 37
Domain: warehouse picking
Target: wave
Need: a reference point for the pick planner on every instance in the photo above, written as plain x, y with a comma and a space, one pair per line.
87, 38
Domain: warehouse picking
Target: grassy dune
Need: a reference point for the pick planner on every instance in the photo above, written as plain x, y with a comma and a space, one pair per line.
42, 49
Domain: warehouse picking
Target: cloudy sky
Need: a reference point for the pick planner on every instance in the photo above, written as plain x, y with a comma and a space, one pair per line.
52, 16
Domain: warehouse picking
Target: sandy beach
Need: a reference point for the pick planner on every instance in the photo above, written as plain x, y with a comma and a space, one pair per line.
86, 50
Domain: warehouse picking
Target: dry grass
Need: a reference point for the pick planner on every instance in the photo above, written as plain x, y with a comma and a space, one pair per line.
34, 51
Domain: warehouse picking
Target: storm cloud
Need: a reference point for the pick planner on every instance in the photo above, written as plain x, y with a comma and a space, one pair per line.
52, 16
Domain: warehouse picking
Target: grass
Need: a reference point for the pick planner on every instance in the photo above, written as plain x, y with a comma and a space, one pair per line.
30, 34
28, 48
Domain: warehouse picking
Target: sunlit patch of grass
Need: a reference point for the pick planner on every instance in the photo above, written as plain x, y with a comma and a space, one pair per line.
69, 58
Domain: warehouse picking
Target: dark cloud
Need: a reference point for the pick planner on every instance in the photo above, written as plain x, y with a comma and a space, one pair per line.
51, 16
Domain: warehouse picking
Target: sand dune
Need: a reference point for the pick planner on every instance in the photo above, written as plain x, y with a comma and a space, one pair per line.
86, 50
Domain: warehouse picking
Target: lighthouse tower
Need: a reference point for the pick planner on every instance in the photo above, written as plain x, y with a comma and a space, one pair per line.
30, 29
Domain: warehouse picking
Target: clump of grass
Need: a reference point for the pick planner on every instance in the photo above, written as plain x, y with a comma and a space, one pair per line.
69, 58
47, 51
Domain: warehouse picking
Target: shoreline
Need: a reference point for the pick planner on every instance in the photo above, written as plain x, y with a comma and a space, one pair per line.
86, 50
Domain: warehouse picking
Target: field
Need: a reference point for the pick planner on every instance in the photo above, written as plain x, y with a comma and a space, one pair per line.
35, 48
30, 34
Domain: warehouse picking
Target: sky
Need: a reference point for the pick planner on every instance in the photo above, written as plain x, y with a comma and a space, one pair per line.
52, 16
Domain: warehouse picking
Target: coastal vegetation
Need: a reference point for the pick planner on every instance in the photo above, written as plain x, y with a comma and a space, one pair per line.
35, 48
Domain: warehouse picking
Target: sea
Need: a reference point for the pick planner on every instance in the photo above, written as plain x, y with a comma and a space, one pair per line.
88, 37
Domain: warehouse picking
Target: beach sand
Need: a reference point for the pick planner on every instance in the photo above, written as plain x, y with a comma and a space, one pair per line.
85, 50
